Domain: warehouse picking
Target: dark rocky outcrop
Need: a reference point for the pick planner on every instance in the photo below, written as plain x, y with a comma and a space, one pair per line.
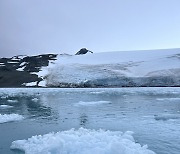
10, 76
83, 51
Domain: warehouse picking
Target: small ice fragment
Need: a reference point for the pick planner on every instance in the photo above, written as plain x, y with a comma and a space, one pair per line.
34, 99
12, 101
4, 97
165, 110
5, 106
97, 92
166, 117
10, 117
91, 103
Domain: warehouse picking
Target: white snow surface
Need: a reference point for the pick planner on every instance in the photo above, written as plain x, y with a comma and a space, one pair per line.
82, 141
21, 68
82, 68
12, 62
23, 63
30, 84
10, 117
42, 83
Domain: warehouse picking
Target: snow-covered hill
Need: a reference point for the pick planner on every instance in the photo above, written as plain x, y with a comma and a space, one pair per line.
114, 69
108, 69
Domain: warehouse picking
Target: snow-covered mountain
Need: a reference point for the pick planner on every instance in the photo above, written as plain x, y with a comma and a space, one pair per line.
110, 69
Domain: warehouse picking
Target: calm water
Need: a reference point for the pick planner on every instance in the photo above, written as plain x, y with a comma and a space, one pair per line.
153, 114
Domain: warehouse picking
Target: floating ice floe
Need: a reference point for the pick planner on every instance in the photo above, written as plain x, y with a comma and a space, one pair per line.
12, 101
5, 106
91, 103
82, 141
166, 117
4, 97
170, 99
97, 92
34, 99
10, 117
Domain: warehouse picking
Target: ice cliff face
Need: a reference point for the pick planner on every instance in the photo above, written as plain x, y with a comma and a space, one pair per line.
109, 69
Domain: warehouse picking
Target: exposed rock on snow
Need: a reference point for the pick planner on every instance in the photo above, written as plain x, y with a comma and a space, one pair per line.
22, 69
83, 51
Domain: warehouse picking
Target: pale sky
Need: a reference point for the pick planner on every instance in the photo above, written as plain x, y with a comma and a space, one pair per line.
56, 26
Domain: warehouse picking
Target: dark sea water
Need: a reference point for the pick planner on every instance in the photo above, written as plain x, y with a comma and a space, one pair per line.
153, 114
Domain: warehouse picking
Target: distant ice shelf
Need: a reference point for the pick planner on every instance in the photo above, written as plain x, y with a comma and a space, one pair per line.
115, 69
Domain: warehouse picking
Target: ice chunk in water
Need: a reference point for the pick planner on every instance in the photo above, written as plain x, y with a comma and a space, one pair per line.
12, 101
166, 117
82, 141
92, 103
97, 92
35, 99
10, 117
5, 106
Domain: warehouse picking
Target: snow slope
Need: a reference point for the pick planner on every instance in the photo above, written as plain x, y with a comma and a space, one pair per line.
125, 68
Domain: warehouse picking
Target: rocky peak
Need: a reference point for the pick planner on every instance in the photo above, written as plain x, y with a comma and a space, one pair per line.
83, 51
